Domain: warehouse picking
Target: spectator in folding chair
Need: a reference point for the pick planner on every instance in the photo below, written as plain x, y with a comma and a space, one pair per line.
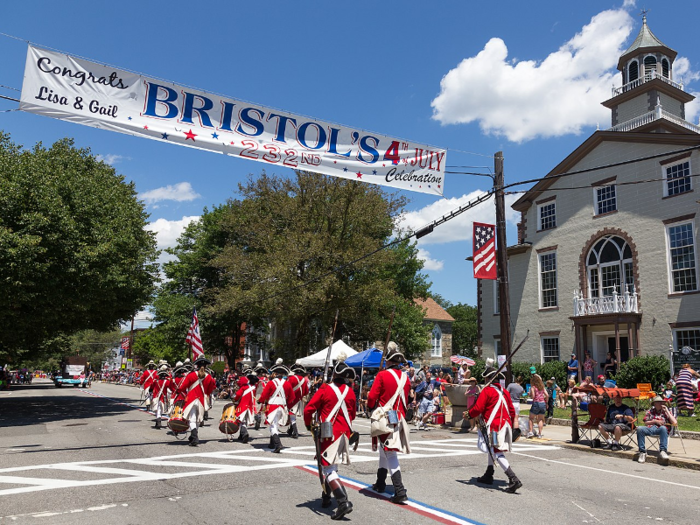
658, 421
618, 420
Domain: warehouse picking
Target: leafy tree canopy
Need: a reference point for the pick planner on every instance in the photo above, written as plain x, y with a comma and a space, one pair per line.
74, 254
464, 329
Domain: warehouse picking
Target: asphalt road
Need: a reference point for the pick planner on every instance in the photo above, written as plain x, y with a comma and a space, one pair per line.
69, 455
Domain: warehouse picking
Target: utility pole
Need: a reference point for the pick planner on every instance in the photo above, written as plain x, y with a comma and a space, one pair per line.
502, 262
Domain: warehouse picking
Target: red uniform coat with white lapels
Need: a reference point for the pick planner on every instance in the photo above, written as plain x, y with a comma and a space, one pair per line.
383, 389
323, 401
300, 387
244, 398
275, 402
178, 395
485, 405
160, 388
196, 393
148, 377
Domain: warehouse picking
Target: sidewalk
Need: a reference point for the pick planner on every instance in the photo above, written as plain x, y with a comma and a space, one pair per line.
559, 433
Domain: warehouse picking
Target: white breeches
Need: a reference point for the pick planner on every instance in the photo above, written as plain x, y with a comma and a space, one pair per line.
274, 419
194, 417
389, 460
501, 459
330, 472
159, 410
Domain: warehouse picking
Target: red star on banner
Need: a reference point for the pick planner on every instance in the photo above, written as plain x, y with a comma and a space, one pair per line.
190, 135
232, 143
359, 175
145, 127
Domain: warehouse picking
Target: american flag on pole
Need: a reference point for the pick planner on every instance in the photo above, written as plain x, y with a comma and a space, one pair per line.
484, 251
194, 339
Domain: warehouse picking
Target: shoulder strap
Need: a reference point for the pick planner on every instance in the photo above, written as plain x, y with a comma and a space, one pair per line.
339, 405
497, 408
400, 382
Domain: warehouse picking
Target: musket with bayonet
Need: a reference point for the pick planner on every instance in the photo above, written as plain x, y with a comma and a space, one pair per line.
388, 337
316, 427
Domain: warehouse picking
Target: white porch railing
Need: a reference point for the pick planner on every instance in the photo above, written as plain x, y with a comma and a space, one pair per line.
609, 304
646, 78
651, 116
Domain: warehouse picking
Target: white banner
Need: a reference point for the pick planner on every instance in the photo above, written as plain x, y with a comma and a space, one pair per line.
60, 86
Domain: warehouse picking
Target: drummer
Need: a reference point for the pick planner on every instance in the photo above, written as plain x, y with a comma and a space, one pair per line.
246, 406
160, 389
198, 386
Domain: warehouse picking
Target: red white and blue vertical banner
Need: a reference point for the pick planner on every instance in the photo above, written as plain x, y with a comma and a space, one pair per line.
194, 338
68, 88
484, 251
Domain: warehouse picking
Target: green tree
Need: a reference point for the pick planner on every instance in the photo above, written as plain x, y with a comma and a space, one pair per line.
464, 329
74, 254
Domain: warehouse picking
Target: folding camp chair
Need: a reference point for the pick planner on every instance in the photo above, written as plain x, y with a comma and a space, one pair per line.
589, 429
630, 436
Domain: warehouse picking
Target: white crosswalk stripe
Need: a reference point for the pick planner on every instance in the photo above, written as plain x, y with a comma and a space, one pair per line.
38, 477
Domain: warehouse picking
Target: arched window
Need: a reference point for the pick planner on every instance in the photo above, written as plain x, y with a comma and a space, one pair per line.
634, 71
609, 266
665, 68
436, 342
649, 65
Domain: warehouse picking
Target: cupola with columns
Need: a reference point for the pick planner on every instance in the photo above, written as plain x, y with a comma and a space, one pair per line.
649, 97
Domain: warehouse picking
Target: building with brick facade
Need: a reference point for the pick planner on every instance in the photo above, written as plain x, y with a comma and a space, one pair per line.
607, 252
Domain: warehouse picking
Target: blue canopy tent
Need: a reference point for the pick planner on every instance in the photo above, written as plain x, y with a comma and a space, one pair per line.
368, 359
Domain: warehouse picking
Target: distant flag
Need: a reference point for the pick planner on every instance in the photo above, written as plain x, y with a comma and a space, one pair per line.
460, 360
125, 343
484, 251
194, 339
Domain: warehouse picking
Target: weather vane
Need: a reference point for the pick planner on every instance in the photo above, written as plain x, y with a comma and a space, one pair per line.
644, 12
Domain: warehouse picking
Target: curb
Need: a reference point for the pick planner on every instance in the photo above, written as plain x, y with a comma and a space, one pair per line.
690, 464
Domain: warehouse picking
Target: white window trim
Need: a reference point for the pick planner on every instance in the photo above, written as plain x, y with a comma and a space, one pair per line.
665, 179
596, 210
539, 215
675, 335
628, 70
542, 338
496, 344
669, 268
433, 352
539, 279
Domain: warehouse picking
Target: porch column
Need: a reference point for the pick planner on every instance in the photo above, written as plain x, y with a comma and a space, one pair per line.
617, 345
579, 353
631, 342
638, 343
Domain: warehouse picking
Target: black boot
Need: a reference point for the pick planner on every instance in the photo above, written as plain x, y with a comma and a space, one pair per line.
158, 424
399, 496
243, 436
487, 478
257, 421
341, 496
326, 497
295, 432
278, 444
513, 482
271, 445
289, 431
380, 484
194, 438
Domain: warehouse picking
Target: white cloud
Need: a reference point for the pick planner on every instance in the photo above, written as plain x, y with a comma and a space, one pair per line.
459, 228
167, 232
180, 192
428, 262
522, 100
629, 3
111, 159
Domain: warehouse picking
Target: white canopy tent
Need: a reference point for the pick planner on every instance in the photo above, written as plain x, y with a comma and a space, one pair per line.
319, 358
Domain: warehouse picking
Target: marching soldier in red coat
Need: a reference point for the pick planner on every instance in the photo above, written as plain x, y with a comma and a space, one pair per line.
179, 375
197, 386
277, 395
497, 410
160, 388
300, 386
244, 398
390, 391
147, 379
261, 372
334, 404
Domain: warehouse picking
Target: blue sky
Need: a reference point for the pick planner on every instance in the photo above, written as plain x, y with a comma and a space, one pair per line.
471, 77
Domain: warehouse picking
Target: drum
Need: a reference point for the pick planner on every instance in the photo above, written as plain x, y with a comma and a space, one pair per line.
177, 423
229, 424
